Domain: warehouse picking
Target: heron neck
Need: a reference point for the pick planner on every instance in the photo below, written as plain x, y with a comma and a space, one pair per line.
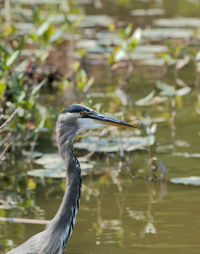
64, 220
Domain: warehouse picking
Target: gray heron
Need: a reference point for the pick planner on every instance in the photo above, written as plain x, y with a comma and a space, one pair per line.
73, 120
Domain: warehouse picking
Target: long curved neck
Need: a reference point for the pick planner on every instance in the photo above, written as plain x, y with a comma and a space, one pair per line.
63, 223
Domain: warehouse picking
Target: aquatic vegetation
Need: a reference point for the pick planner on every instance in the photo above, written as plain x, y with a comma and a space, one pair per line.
139, 60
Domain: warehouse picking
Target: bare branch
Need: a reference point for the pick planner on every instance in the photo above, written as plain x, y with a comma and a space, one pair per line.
7, 12
5, 150
9, 119
21, 220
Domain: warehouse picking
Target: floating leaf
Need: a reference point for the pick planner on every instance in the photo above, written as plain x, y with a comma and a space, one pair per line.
169, 90
164, 86
50, 161
32, 2
89, 46
181, 143
149, 12
122, 96
52, 173
155, 49
25, 28
145, 100
108, 38
114, 144
154, 62
198, 56
55, 167
32, 155
182, 62
178, 22
59, 171
191, 180
96, 21
183, 91
7, 204
164, 33
187, 155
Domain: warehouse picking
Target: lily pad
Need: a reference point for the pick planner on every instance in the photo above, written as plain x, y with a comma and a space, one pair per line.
108, 38
32, 155
178, 22
150, 99
149, 12
50, 161
96, 21
51, 173
147, 54
191, 180
143, 49
90, 46
32, 2
146, 99
169, 90
115, 144
164, 33
54, 167
186, 155
58, 171
183, 91
154, 62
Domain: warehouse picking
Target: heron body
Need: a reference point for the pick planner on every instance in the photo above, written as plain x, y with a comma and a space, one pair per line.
73, 120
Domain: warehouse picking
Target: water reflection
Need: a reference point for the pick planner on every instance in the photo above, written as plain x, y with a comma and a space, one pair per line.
118, 212
114, 230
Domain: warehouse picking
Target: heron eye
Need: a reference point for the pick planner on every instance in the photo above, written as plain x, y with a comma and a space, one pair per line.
83, 114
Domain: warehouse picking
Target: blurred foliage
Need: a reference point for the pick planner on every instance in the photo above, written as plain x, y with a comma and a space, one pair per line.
128, 44
23, 66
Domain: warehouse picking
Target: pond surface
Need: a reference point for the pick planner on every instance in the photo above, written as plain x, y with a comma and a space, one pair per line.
120, 211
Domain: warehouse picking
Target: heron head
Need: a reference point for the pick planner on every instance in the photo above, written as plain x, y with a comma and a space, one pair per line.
85, 118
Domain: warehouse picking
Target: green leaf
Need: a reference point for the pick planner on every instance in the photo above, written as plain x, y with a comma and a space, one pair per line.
38, 87
128, 29
11, 59
88, 84
57, 35
146, 99
43, 28
2, 88
31, 184
4, 50
36, 13
49, 32
164, 86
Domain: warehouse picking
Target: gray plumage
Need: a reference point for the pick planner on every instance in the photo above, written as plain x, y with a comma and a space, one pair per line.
70, 123
54, 238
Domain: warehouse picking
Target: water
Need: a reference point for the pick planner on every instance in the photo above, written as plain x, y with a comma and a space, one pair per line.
120, 213
129, 217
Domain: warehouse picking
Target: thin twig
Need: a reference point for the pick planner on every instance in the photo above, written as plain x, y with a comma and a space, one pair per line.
21, 220
7, 12
5, 150
9, 119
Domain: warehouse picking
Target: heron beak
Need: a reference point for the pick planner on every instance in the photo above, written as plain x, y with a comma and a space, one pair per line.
106, 120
